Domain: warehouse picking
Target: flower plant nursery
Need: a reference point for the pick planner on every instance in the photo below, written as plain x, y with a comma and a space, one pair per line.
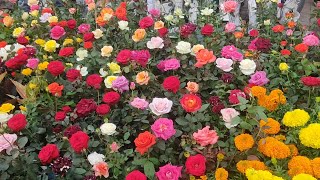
116, 91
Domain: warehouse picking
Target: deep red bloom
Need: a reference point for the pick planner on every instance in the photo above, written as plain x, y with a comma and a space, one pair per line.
263, 44
111, 98
234, 94
66, 109
88, 36
72, 23
55, 68
171, 83
187, 29
196, 165
88, 45
310, 81
146, 22
207, 30
60, 116
103, 109
136, 175
85, 107
141, 57
17, 122
253, 33
22, 40
71, 130
48, 153
73, 74
17, 61
94, 80
79, 141
163, 31
285, 52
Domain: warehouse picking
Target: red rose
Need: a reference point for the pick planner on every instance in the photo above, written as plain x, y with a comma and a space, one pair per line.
318, 21
17, 122
124, 56
66, 109
72, 24
283, 43
60, 116
48, 153
94, 80
234, 94
146, 22
17, 61
22, 40
171, 83
55, 68
196, 165
301, 48
163, 32
263, 44
253, 33
103, 109
136, 175
73, 74
310, 81
285, 52
141, 57
85, 107
87, 45
278, 28
88, 36
47, 10
63, 23
67, 51
71, 130
111, 98
187, 29
79, 141
207, 30
190, 102
30, 51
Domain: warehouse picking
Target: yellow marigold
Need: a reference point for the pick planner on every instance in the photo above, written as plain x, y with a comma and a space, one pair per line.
298, 165
273, 148
295, 118
270, 127
26, 71
293, 149
258, 91
40, 42
221, 174
243, 165
6, 107
243, 142
310, 136
315, 164
253, 174
303, 177
43, 66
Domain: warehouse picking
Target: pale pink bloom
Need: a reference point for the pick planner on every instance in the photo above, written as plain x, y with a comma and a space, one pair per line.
114, 147
230, 27
229, 6
13, 1
91, 6
72, 10
32, 63
89, 1
132, 85
139, 103
169, 172
7, 141
163, 128
228, 114
311, 40
57, 32
155, 42
169, 64
101, 169
160, 106
224, 64
289, 32
206, 136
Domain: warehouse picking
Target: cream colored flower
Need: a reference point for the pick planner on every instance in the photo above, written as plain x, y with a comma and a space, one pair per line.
106, 51
98, 33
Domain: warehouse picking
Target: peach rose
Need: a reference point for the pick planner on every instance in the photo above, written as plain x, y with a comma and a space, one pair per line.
192, 87
139, 34
158, 25
8, 21
142, 78
206, 136
196, 48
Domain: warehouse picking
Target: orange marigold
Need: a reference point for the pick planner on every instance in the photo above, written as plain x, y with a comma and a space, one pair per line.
258, 91
243, 165
243, 142
221, 174
280, 137
298, 165
273, 148
315, 164
293, 149
273, 100
270, 126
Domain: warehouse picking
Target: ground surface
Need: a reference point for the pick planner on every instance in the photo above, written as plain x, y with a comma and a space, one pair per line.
305, 13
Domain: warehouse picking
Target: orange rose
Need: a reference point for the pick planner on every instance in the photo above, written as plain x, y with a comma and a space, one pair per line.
204, 57
291, 24
106, 11
158, 25
100, 21
142, 78
3, 44
121, 13
191, 103
192, 87
301, 48
139, 35
238, 34
55, 89
144, 141
8, 21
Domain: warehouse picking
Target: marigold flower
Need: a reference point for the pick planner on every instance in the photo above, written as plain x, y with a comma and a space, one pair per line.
315, 164
243, 165
270, 126
253, 174
303, 177
310, 136
258, 91
298, 165
293, 149
244, 142
295, 118
221, 174
273, 148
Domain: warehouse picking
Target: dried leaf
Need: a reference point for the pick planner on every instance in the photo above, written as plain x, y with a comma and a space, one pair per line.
20, 101
2, 76
21, 89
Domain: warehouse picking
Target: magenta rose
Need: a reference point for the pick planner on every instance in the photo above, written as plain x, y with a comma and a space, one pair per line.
163, 128
169, 172
57, 32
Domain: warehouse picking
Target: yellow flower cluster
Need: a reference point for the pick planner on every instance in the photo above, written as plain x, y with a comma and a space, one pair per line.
271, 101
43, 66
6, 107
273, 148
67, 42
295, 118
253, 174
310, 136
303, 177
243, 142
26, 71
270, 126
243, 165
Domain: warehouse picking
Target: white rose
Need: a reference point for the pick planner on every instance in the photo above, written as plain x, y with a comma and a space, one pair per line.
103, 73
95, 158
155, 42
25, 16
178, 12
83, 70
4, 54
123, 25
206, 12
98, 33
160, 106
4, 117
183, 47
247, 66
168, 18
267, 22
108, 129
81, 53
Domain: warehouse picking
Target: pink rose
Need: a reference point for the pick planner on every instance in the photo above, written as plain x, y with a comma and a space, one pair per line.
57, 32
7, 141
72, 10
84, 28
169, 172
155, 42
163, 128
230, 27
252, 46
32, 63
34, 7
228, 114
154, 12
160, 106
311, 40
229, 6
206, 136
231, 52
139, 103
289, 32
224, 64
101, 169
259, 78
169, 64
114, 147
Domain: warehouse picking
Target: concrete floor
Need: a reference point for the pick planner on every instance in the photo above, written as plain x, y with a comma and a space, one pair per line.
305, 13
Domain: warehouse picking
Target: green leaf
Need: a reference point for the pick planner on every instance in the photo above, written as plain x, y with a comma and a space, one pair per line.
161, 145
182, 122
242, 100
22, 142
236, 120
126, 135
139, 162
149, 169
80, 171
204, 107
246, 125
4, 166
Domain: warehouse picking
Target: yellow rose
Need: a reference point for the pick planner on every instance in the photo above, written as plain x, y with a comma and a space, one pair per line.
51, 46
34, 13
106, 51
114, 67
67, 42
40, 42
43, 66
283, 67
34, 22
32, 85
6, 107
139, 34
17, 32
53, 19
108, 81
26, 72
158, 25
